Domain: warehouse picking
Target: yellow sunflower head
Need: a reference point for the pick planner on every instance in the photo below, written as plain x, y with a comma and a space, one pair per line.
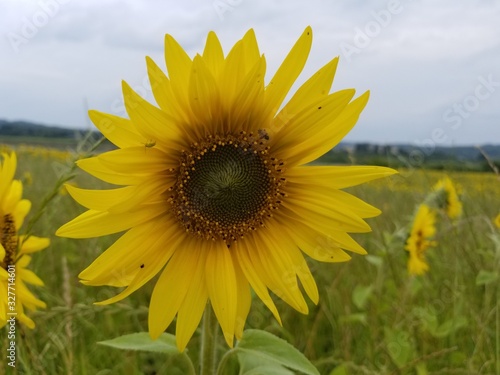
420, 239
214, 187
14, 248
447, 198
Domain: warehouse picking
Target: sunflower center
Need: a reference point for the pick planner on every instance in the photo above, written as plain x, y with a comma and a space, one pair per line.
227, 186
8, 239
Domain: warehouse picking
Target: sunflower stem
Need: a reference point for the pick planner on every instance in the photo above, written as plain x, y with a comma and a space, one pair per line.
208, 342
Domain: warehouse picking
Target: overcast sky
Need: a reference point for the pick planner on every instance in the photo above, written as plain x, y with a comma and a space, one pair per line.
433, 67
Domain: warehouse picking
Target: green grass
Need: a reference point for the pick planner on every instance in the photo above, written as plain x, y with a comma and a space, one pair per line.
372, 317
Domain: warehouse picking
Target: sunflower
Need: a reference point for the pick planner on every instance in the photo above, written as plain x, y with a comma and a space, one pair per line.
14, 248
420, 239
447, 198
215, 190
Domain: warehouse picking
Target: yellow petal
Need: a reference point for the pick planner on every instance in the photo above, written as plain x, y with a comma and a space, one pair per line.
246, 111
23, 261
322, 231
172, 285
288, 72
100, 200
162, 90
118, 265
244, 297
204, 96
12, 197
253, 273
140, 250
320, 143
29, 277
315, 211
20, 211
294, 261
193, 306
317, 245
122, 199
221, 286
333, 199
278, 269
295, 140
315, 88
138, 160
213, 54
7, 171
119, 131
96, 223
179, 68
148, 193
156, 251
160, 85
250, 49
300, 267
33, 244
94, 167
232, 75
336, 177
26, 321
28, 299
150, 121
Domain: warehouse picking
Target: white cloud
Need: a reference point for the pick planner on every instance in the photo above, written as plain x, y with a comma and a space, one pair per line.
420, 61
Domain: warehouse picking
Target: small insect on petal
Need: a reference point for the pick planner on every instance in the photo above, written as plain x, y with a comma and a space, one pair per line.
150, 143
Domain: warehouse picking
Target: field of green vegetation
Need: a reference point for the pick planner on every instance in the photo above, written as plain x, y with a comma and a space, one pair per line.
372, 318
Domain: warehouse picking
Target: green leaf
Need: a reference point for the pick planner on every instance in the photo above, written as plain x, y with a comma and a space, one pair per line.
458, 359
387, 237
260, 345
421, 369
449, 326
340, 370
399, 346
443, 330
263, 370
360, 295
354, 318
486, 277
253, 365
375, 260
143, 342
427, 317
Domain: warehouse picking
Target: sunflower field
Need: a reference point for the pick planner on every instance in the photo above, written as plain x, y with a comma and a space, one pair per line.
373, 315
216, 240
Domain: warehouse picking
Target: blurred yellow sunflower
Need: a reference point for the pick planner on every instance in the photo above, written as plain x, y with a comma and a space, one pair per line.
15, 295
420, 239
215, 190
448, 199
497, 221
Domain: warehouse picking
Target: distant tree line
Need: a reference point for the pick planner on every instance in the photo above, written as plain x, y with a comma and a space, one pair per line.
463, 158
27, 129
466, 158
